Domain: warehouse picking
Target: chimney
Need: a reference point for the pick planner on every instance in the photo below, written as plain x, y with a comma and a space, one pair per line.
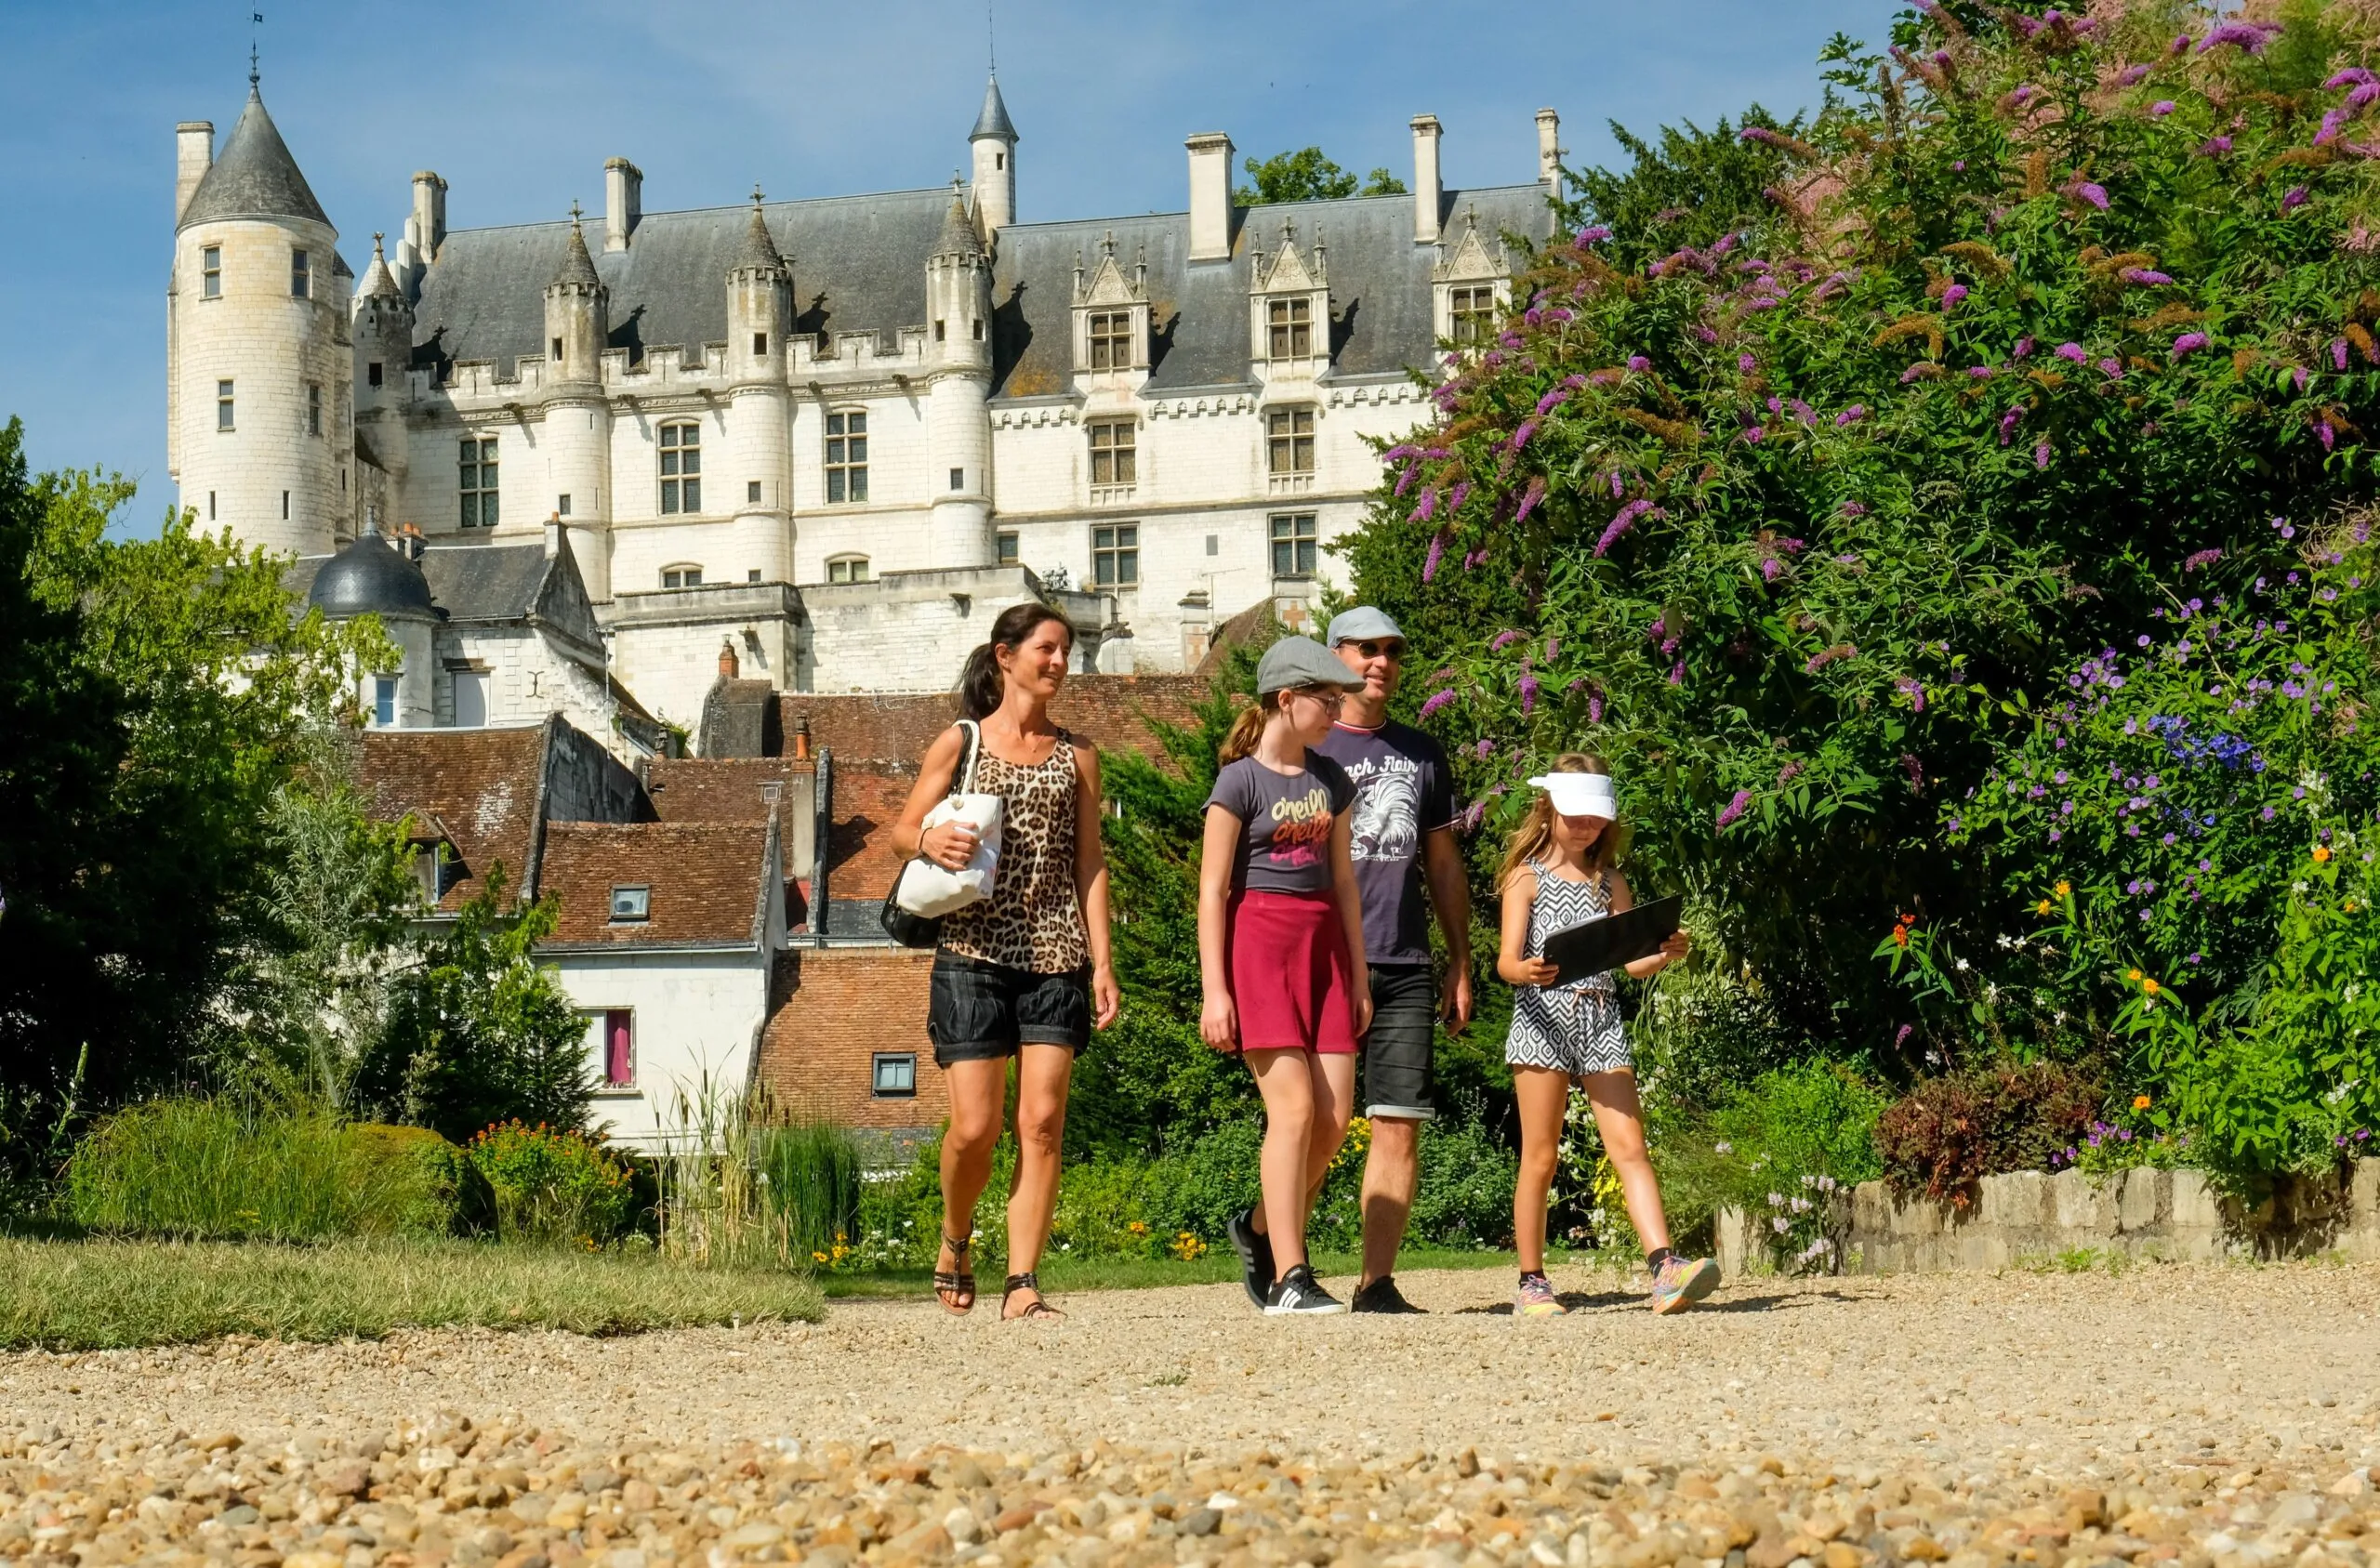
1549, 149
623, 202
426, 228
802, 739
193, 155
728, 666
1209, 196
553, 535
1427, 192
409, 539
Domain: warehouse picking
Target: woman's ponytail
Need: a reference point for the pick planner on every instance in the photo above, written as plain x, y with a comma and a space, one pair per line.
980, 683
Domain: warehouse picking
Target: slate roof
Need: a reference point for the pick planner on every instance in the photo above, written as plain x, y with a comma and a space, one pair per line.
379, 279
759, 251
578, 268
468, 582
710, 883
994, 120
859, 264
253, 176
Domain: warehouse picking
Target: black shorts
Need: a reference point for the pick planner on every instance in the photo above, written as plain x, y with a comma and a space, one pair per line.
980, 1012
1396, 1049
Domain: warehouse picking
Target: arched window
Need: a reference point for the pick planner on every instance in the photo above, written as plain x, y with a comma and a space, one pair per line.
847, 569
681, 467
683, 576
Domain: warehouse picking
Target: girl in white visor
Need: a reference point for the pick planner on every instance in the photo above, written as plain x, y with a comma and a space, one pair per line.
1559, 871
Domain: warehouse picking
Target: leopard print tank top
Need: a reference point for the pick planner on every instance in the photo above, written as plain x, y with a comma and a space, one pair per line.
1033, 921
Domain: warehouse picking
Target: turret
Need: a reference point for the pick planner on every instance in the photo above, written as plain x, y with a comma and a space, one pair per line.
758, 472
993, 144
959, 302
374, 575
577, 436
382, 330
260, 369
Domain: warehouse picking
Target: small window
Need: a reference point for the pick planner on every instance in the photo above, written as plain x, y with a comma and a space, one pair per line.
1293, 545
285, 506
751, 493
977, 326
210, 268
1214, 544
384, 701
847, 569
751, 573
1116, 555
302, 275
846, 458
477, 481
897, 1075
313, 408
1111, 341
556, 355
1112, 453
614, 1046
958, 479
631, 903
1006, 541
1472, 310
941, 332
210, 505
562, 505
1288, 441
372, 373
223, 406
681, 467
682, 577
1291, 328
760, 345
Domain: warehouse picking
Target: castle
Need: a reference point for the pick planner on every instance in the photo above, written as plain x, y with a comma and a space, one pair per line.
837, 435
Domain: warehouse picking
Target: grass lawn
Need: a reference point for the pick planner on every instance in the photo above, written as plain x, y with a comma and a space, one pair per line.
1219, 1267
109, 1295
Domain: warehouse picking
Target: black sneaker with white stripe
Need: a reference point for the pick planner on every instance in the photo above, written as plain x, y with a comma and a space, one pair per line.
1255, 1257
1297, 1292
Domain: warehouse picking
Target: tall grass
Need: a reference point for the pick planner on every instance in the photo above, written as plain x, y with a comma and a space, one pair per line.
743, 1185
218, 1168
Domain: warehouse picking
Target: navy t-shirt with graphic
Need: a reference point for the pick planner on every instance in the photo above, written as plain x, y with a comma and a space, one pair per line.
1284, 822
1404, 789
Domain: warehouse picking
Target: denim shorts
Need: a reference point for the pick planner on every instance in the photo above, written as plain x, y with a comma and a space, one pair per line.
979, 1011
1396, 1049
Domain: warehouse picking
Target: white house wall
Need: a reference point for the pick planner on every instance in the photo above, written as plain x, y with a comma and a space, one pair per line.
695, 1020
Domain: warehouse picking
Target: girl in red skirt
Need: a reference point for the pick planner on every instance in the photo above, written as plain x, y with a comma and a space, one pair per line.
1281, 949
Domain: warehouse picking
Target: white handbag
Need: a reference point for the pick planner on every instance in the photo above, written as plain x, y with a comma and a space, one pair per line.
931, 890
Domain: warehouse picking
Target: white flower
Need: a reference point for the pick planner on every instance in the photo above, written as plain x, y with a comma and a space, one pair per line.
1962, 963
1722, 1148
1781, 1224
1776, 1200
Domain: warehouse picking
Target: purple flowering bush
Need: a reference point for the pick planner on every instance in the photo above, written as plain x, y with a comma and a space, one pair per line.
1802, 540
2183, 840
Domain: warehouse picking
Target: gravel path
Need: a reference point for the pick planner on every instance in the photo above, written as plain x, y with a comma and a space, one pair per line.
2202, 1414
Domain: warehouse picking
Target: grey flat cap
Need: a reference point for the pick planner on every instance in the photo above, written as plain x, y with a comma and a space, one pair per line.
1363, 624
1301, 661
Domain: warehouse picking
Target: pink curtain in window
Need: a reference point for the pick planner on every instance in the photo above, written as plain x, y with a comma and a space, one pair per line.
619, 1067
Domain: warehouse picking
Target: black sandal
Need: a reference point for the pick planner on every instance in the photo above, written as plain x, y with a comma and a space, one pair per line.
1037, 1308
957, 1281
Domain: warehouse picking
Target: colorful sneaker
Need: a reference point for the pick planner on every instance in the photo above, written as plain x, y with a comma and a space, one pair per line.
1536, 1298
1679, 1283
1255, 1258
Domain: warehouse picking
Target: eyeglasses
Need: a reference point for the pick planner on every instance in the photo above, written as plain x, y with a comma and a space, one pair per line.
1392, 651
1328, 696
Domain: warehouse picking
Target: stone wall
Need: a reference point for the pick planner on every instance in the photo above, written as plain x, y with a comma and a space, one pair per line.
2165, 1214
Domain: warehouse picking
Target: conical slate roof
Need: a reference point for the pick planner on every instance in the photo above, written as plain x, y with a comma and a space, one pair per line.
377, 278
254, 177
759, 251
578, 267
959, 236
994, 120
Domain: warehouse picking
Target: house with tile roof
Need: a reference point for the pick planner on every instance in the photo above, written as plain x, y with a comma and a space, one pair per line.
838, 433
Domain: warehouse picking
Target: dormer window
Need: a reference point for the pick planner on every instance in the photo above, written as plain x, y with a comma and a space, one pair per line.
1291, 328
1473, 311
1470, 289
631, 905
1111, 312
1111, 341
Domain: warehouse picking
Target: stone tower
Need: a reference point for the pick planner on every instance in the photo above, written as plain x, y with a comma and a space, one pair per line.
958, 432
382, 330
993, 142
260, 368
576, 437
760, 453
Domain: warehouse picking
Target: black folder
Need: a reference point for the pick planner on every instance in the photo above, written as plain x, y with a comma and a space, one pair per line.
1608, 941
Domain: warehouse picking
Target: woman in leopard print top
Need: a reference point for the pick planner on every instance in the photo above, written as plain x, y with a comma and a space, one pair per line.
1025, 973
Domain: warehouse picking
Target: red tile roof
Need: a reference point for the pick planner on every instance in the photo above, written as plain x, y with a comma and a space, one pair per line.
729, 789
481, 785
706, 882
1105, 709
868, 797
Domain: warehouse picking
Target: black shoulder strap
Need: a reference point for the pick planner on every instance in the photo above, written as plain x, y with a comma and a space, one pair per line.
962, 781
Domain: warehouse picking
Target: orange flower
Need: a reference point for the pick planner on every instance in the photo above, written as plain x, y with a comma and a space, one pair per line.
2132, 974
2321, 853
2140, 1102
2063, 889
1900, 935
2149, 986
2042, 908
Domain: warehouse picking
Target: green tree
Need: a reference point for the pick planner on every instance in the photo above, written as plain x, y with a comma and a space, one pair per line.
154, 693
1307, 176
479, 1032
1686, 185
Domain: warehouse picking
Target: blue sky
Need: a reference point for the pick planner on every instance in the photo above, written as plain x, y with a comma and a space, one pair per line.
518, 102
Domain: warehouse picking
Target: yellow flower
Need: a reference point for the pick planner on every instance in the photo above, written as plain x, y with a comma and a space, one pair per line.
2042, 908
2321, 853
818, 1256
2132, 974
2140, 1102
2063, 889
2149, 986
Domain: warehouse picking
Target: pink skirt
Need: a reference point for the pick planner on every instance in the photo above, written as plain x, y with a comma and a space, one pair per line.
1290, 982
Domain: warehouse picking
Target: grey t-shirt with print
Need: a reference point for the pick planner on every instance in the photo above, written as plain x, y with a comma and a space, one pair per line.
1284, 822
1404, 791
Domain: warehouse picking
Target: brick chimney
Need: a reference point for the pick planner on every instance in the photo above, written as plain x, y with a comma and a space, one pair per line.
802, 739
728, 666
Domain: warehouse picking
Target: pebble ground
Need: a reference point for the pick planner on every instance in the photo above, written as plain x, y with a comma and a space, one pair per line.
2208, 1417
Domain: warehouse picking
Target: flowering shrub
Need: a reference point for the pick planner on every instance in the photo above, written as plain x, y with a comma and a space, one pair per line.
1795, 523
1951, 1131
551, 1185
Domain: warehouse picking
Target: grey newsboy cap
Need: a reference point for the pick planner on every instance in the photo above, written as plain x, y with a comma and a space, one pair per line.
1301, 661
1363, 624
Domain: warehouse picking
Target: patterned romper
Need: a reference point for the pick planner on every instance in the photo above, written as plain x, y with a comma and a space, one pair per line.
1574, 1028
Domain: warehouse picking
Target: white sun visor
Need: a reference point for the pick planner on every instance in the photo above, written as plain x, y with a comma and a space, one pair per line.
1581, 795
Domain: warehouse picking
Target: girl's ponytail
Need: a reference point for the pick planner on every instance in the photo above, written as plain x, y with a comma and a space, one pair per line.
1247, 728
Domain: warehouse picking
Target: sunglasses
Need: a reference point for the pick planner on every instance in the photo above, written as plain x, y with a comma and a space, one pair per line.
1395, 650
